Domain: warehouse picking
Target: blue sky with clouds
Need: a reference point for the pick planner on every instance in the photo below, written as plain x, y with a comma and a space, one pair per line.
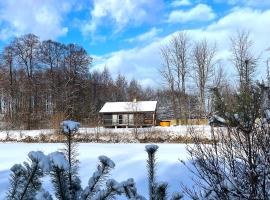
126, 35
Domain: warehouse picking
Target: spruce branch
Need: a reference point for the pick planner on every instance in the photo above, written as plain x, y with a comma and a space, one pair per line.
151, 166
59, 175
98, 177
25, 180
161, 191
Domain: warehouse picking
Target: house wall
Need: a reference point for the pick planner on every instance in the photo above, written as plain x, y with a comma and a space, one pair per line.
128, 119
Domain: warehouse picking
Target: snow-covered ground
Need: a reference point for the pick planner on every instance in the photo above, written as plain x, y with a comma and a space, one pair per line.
129, 159
204, 131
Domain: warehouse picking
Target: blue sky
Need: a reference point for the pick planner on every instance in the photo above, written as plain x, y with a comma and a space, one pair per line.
126, 35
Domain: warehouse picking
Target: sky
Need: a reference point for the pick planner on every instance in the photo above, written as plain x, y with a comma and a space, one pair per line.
126, 35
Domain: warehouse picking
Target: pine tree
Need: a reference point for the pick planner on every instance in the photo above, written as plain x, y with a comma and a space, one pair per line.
69, 129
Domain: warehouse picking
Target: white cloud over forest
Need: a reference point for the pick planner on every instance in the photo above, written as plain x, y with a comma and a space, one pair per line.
144, 62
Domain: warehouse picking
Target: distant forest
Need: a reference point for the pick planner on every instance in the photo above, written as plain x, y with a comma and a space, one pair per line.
44, 82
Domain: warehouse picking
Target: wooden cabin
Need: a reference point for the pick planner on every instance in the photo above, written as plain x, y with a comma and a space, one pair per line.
129, 114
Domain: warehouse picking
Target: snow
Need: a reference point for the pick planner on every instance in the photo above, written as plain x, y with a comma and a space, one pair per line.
267, 113
151, 148
22, 134
58, 159
124, 107
41, 159
106, 161
130, 160
43, 195
70, 126
217, 118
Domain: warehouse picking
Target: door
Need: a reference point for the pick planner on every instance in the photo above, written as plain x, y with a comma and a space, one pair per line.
114, 120
131, 119
120, 119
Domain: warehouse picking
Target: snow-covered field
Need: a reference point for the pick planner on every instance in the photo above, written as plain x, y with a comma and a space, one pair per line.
125, 134
129, 159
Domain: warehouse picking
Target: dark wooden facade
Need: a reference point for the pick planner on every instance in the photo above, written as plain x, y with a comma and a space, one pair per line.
135, 119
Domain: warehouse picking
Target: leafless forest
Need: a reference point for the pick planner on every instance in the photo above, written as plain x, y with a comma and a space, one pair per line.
44, 82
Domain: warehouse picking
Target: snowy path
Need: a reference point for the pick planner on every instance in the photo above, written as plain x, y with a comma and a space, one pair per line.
129, 159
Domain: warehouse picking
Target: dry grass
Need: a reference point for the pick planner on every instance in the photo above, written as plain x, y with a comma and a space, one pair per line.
149, 135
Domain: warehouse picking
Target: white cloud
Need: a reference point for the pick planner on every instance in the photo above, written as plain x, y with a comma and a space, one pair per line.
178, 3
150, 35
121, 13
134, 63
254, 3
201, 12
143, 62
43, 18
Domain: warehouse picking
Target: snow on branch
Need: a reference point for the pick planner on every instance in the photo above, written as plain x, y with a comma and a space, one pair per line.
151, 148
98, 177
41, 159
58, 159
69, 126
106, 161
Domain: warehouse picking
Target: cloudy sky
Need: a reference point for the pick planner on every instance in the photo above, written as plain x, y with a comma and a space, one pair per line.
126, 35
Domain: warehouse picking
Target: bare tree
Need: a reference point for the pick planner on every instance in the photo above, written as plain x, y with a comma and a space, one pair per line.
175, 69
26, 51
180, 60
242, 57
167, 74
179, 53
51, 57
8, 81
203, 55
76, 71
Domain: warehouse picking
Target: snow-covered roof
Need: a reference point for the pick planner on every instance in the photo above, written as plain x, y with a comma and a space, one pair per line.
129, 107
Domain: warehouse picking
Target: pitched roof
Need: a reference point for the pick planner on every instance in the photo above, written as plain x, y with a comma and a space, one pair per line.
127, 107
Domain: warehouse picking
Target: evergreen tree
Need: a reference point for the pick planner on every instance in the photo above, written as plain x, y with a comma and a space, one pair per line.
69, 129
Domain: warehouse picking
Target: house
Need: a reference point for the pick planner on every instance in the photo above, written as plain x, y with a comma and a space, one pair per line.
129, 114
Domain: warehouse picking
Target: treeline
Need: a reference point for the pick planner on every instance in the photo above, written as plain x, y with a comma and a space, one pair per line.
194, 65
44, 82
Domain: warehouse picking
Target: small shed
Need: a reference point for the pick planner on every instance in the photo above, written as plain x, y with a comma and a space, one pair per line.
129, 114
